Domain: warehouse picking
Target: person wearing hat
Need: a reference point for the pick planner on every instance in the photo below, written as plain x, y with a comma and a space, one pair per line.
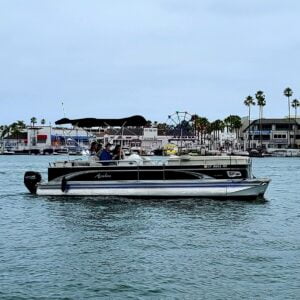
105, 153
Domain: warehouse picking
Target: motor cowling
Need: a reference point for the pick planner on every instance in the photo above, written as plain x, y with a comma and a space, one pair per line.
31, 180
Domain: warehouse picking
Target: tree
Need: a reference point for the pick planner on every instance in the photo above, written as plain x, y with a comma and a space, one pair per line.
148, 124
228, 123
15, 130
43, 122
261, 102
33, 121
219, 125
295, 105
215, 128
193, 120
202, 125
249, 101
233, 123
289, 93
236, 124
162, 127
21, 124
4, 131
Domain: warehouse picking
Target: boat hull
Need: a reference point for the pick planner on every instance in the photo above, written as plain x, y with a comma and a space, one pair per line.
200, 188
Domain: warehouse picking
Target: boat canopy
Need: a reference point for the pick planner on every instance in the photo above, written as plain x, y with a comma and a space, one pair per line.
92, 122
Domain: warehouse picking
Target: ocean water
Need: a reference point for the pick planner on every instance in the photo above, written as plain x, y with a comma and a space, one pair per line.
91, 248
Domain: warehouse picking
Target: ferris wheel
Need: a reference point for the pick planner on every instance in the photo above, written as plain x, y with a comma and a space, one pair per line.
180, 124
179, 119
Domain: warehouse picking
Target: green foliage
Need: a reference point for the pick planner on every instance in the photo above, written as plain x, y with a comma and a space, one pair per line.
249, 101
288, 92
261, 98
295, 103
33, 121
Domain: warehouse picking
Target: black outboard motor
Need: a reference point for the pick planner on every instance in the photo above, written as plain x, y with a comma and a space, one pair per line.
31, 179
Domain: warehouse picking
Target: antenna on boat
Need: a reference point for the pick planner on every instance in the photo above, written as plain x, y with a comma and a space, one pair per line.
63, 108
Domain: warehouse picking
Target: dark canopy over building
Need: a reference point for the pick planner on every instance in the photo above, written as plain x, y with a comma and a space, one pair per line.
136, 121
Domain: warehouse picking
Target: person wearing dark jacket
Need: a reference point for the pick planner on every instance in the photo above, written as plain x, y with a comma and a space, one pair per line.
105, 154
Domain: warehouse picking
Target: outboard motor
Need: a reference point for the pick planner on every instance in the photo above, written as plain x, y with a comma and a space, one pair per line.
31, 179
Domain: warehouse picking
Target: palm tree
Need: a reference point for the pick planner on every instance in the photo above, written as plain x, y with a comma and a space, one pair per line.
193, 120
33, 121
213, 129
15, 129
220, 127
4, 131
237, 124
289, 93
43, 122
202, 125
228, 123
216, 127
295, 105
233, 124
249, 101
261, 102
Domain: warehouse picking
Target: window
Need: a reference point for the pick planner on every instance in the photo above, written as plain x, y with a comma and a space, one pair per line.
266, 127
279, 136
282, 127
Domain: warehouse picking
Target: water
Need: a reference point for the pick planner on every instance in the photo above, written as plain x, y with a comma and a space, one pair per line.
85, 248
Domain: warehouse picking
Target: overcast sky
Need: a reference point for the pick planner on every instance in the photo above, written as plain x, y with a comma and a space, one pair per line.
152, 57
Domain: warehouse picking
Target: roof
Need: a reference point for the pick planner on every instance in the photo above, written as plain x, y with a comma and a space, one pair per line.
93, 122
284, 121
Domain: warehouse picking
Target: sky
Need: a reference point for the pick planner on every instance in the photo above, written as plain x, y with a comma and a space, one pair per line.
151, 57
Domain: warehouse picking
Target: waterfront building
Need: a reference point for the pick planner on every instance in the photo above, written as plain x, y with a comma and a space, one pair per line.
272, 134
37, 139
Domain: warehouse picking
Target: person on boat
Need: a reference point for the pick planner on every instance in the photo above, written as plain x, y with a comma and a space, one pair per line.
105, 153
93, 148
118, 153
99, 150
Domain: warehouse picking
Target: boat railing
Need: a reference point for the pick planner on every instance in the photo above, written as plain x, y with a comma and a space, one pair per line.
171, 161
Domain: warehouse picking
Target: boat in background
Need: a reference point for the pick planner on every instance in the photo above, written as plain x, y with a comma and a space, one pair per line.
285, 153
240, 153
7, 152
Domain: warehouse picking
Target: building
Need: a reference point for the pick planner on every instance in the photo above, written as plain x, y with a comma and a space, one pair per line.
36, 139
272, 133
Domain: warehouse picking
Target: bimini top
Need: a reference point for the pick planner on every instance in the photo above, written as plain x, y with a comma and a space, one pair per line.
92, 122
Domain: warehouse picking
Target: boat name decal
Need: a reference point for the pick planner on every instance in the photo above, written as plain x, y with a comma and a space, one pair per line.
105, 175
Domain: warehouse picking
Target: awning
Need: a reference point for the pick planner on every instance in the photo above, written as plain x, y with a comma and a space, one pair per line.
42, 137
92, 122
